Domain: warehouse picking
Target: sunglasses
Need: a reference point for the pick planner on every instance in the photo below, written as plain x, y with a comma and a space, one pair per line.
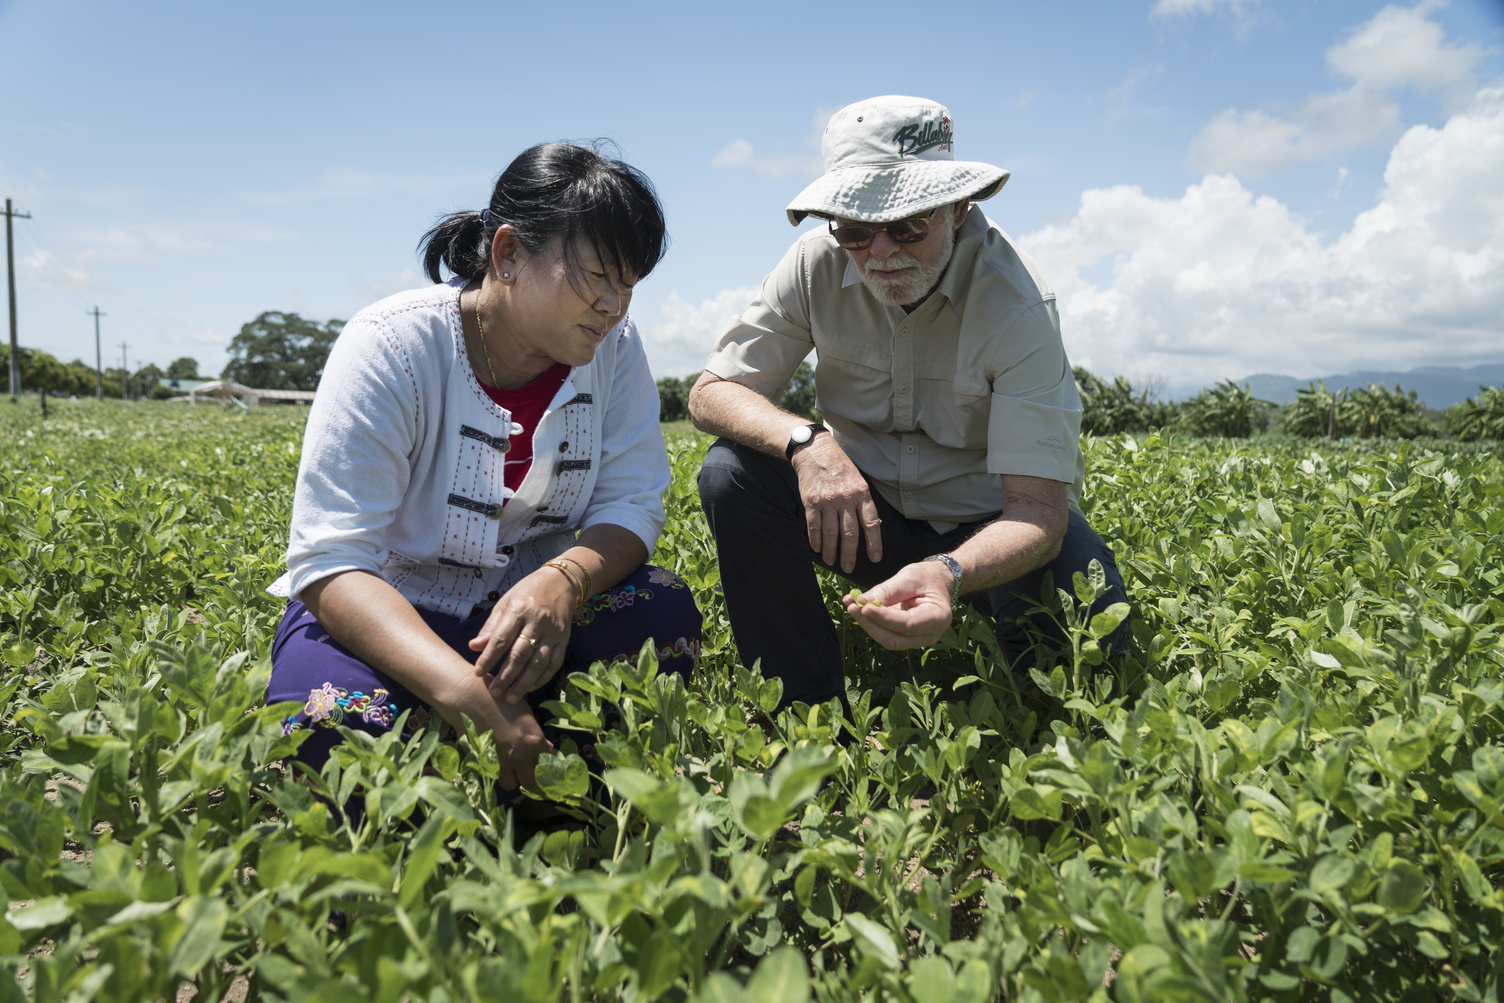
859, 236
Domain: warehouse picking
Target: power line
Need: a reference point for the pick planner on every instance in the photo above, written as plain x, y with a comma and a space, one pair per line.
98, 359
10, 277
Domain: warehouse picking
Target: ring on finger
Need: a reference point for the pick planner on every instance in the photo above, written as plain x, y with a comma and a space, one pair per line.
531, 641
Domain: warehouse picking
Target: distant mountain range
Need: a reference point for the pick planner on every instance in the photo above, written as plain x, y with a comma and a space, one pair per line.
1438, 387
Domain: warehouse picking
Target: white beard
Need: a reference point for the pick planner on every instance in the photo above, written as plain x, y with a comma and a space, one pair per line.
915, 279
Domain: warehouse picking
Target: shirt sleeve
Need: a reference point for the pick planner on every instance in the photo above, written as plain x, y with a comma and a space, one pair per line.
766, 343
1035, 417
634, 471
354, 470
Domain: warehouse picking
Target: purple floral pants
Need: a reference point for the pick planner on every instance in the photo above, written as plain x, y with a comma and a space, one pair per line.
337, 688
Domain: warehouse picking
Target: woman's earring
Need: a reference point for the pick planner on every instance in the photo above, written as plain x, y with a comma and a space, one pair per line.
506, 275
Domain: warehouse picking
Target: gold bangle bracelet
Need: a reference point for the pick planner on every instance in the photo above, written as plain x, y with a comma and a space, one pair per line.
563, 569
589, 589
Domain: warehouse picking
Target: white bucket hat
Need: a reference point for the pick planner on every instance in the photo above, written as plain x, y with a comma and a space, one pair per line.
891, 157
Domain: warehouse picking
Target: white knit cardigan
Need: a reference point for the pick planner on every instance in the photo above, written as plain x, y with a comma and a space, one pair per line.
401, 472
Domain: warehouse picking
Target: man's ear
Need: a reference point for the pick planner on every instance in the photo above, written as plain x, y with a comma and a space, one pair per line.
959, 211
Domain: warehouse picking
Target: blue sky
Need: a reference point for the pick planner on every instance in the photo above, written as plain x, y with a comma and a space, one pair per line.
1215, 187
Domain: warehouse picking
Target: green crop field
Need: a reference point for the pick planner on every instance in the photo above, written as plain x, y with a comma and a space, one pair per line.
1289, 787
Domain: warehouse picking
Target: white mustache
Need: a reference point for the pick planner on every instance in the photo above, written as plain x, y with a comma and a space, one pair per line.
890, 265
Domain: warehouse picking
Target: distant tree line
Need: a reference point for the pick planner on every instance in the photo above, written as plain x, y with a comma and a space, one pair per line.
42, 371
1370, 412
798, 397
281, 351
1226, 409
276, 351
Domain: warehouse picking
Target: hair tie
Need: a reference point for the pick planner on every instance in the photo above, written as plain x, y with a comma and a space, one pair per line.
485, 217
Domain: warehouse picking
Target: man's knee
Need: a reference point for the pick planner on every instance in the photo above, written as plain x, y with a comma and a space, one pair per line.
737, 479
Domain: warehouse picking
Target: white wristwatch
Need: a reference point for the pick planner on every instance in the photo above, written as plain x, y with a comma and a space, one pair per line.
955, 569
800, 436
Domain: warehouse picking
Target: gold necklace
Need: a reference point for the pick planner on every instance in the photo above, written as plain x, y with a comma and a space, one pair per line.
484, 349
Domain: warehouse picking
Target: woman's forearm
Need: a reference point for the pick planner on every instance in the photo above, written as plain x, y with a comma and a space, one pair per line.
606, 553
364, 613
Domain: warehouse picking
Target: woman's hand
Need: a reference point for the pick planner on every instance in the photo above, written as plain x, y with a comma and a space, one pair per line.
526, 634
516, 732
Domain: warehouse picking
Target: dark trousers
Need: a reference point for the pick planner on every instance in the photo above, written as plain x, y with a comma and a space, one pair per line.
773, 595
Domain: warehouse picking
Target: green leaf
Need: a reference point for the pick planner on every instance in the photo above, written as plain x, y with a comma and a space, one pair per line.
445, 799
1193, 874
204, 918
21, 654
423, 857
761, 816
781, 977
658, 800
1402, 888
931, 980
40, 914
1255, 870
770, 694
562, 776
659, 962
446, 759
874, 940
1269, 515
1331, 874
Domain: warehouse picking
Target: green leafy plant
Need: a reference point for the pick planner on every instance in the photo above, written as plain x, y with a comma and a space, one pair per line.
1111, 408
1478, 418
1287, 785
1225, 410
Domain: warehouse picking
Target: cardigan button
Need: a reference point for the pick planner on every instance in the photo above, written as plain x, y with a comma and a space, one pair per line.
564, 446
507, 549
493, 595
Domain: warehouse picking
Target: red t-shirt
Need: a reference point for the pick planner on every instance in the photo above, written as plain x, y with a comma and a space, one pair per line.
527, 405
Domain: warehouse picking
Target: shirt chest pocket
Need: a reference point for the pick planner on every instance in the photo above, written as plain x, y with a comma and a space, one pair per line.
970, 405
854, 380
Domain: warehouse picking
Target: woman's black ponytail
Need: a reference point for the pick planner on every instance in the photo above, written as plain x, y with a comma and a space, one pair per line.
557, 190
458, 240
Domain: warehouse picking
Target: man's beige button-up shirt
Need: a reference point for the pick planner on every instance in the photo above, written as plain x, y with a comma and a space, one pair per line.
933, 405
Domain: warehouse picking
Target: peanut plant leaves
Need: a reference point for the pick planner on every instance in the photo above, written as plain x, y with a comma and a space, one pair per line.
1285, 782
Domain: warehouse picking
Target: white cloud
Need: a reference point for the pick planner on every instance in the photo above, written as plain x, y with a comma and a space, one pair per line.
1400, 47
1120, 97
1177, 8
1253, 143
739, 153
1397, 47
1221, 282
353, 185
391, 284
680, 340
41, 269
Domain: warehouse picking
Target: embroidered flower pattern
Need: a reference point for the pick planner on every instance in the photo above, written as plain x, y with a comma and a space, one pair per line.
682, 648
328, 705
662, 576
610, 601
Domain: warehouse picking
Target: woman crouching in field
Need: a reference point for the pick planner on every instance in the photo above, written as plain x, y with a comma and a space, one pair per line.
483, 473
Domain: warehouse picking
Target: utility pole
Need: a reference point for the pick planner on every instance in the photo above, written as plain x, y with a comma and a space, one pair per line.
98, 359
125, 380
10, 277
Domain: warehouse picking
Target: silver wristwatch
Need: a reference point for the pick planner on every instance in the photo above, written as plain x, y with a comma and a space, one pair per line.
955, 569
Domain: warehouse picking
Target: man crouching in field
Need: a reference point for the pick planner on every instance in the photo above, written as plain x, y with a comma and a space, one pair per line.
947, 463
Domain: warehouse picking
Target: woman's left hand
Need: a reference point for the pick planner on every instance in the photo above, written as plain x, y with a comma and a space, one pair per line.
526, 634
